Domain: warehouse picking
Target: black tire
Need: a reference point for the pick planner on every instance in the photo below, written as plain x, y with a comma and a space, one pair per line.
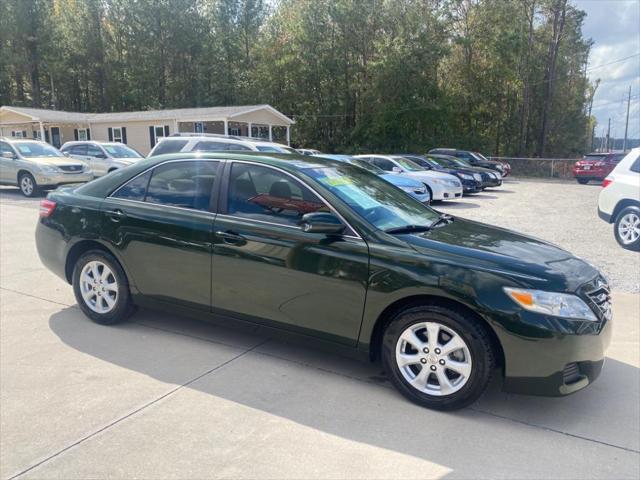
583, 181
23, 186
468, 328
123, 305
631, 210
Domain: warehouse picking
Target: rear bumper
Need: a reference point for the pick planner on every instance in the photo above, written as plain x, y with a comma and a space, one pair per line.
594, 173
51, 247
604, 216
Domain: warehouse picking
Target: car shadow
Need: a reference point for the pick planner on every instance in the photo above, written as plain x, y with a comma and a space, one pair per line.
484, 195
353, 399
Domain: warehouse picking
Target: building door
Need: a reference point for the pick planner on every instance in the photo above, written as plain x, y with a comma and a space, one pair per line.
55, 137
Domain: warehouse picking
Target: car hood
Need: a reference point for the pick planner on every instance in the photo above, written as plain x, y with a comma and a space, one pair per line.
400, 181
57, 161
485, 247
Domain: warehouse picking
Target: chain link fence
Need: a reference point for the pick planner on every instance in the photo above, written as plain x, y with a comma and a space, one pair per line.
539, 167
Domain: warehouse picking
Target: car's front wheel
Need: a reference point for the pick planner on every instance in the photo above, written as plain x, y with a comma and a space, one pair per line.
101, 288
438, 357
27, 185
627, 228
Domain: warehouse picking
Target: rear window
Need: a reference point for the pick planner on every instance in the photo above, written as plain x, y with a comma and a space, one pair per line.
594, 158
168, 146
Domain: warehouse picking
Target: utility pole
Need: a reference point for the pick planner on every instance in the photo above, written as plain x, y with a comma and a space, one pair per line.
608, 135
626, 125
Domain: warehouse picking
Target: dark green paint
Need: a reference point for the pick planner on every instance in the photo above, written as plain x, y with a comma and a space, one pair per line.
333, 288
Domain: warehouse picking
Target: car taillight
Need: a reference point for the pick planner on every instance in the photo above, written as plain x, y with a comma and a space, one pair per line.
606, 182
600, 164
47, 207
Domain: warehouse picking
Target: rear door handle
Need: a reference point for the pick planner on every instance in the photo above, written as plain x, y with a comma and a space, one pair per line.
231, 238
116, 215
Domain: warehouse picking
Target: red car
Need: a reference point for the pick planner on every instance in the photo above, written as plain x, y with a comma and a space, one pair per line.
595, 166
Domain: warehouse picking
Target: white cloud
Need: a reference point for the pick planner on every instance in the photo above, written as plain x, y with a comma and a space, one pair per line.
613, 25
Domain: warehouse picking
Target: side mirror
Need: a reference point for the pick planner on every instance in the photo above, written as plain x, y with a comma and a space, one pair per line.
66, 154
321, 222
9, 155
101, 156
396, 170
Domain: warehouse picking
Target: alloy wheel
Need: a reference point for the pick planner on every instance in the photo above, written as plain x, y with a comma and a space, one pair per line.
99, 287
629, 228
433, 358
26, 185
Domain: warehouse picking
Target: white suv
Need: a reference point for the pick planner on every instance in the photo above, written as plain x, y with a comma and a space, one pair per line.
619, 201
189, 142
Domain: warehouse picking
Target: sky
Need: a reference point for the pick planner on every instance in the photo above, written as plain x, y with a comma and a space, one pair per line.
614, 27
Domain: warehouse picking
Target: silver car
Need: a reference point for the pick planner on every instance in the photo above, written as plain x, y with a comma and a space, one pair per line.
102, 157
32, 165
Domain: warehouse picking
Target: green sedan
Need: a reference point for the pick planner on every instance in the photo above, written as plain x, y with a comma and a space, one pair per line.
323, 251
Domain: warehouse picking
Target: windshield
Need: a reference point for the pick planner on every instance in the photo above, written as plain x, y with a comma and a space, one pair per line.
375, 200
445, 162
121, 151
461, 162
367, 166
408, 164
33, 149
480, 156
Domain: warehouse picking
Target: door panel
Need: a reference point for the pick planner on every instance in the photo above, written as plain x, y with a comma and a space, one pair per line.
166, 251
8, 166
296, 280
266, 269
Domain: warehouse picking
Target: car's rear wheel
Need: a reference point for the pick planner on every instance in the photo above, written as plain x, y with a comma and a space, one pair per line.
627, 228
101, 288
27, 185
438, 357
582, 181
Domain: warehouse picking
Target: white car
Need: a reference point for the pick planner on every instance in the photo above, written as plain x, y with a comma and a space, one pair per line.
189, 142
101, 157
619, 201
442, 186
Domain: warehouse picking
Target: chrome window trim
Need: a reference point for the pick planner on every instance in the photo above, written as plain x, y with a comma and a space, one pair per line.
220, 160
314, 191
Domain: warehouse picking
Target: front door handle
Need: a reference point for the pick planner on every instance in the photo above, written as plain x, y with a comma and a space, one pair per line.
116, 215
231, 238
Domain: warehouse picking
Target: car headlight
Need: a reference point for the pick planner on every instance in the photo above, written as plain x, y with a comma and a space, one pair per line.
465, 176
478, 177
551, 303
497, 175
49, 169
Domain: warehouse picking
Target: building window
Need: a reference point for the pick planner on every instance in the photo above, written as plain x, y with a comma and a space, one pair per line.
117, 134
234, 131
18, 134
198, 127
82, 134
36, 135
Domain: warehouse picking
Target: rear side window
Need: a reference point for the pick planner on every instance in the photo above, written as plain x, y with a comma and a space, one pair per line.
169, 146
635, 166
136, 189
78, 149
182, 184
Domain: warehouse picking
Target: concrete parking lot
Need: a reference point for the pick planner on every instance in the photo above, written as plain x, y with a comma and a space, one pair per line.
168, 397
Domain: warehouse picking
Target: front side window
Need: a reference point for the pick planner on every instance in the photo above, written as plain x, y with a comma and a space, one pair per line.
262, 193
93, 151
375, 200
33, 149
182, 184
78, 150
5, 148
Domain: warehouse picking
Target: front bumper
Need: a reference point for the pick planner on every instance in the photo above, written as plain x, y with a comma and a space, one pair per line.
55, 179
552, 356
471, 186
445, 192
604, 216
421, 197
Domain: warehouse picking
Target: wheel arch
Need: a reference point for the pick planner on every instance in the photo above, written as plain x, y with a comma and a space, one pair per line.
78, 249
621, 205
21, 172
388, 314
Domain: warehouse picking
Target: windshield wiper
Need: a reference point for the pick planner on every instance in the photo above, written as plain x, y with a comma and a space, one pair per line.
442, 219
408, 229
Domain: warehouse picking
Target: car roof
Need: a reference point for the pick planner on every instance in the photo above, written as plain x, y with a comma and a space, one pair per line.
20, 139
288, 162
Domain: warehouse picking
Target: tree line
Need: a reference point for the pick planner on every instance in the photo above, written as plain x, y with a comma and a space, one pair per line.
505, 77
